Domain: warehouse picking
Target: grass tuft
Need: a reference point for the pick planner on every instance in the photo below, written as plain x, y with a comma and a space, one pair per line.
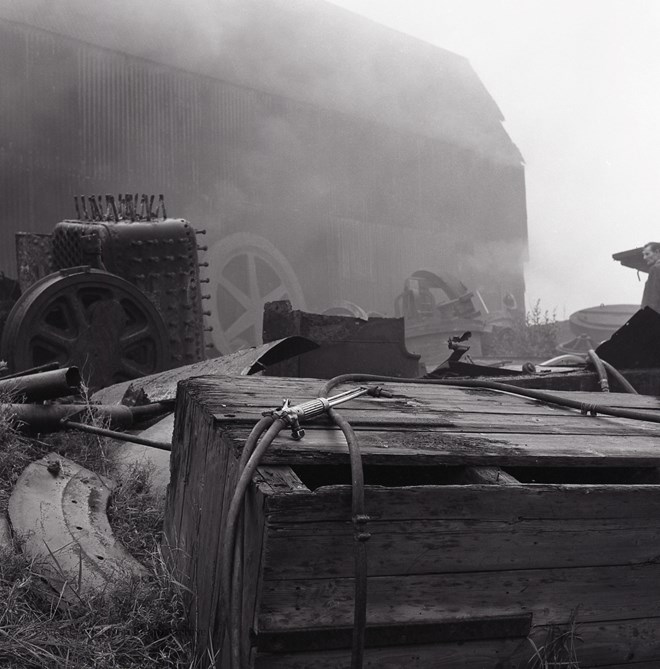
558, 650
141, 624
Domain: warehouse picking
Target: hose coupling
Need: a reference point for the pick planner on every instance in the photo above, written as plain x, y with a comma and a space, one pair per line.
360, 521
293, 415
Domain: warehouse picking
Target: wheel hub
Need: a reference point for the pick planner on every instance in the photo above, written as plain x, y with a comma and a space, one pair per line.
92, 319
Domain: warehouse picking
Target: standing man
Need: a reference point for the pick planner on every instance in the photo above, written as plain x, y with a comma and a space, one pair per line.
651, 255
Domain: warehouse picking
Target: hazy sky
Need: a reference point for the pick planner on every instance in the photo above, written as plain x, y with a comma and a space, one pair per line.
578, 82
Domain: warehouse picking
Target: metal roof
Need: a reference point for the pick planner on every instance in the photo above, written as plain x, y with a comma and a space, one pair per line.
307, 50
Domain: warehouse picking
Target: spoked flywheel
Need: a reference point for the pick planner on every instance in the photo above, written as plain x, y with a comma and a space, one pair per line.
88, 318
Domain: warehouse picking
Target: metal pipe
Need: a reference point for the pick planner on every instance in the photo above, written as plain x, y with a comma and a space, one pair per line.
122, 436
42, 386
32, 370
35, 418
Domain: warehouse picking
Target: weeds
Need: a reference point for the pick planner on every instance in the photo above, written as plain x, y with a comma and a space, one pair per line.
533, 335
141, 624
558, 649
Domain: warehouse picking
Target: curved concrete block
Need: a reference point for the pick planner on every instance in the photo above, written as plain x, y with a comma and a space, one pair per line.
58, 510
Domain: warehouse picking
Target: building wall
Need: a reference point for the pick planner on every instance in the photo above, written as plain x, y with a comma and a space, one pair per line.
341, 208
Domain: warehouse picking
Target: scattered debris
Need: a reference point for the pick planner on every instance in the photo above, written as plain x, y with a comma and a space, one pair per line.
162, 386
346, 343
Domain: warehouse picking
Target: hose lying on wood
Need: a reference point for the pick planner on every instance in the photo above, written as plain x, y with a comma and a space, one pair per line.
531, 393
260, 439
257, 443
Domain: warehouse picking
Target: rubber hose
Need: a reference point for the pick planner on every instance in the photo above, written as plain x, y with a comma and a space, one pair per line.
231, 525
613, 371
530, 393
263, 424
235, 598
627, 386
226, 594
359, 518
563, 358
600, 370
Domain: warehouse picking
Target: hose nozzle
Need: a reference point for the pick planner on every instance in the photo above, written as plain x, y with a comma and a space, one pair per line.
293, 415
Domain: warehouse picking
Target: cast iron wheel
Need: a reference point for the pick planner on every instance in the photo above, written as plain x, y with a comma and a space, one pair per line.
88, 318
246, 272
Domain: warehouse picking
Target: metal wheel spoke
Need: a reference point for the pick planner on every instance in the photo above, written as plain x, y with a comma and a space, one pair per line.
240, 324
249, 271
243, 299
253, 281
55, 337
131, 369
278, 293
77, 310
92, 319
136, 336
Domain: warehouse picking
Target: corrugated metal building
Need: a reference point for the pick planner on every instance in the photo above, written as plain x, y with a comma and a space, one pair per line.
328, 157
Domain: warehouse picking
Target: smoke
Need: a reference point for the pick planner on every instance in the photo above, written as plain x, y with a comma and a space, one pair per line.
308, 50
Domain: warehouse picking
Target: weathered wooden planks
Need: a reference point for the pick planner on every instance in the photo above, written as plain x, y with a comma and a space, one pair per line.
426, 424
275, 388
473, 655
439, 553
634, 644
472, 503
600, 593
426, 547
430, 447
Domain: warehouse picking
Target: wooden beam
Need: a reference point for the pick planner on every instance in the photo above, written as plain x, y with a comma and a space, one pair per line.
442, 631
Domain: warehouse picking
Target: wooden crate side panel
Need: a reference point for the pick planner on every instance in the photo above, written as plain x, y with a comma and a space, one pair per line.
438, 546
212, 511
215, 633
600, 593
266, 481
483, 503
634, 644
192, 431
473, 655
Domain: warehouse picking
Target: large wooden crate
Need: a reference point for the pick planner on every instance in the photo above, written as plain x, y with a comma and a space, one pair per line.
498, 524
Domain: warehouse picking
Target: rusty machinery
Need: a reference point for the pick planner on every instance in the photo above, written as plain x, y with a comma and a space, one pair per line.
121, 298
419, 297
